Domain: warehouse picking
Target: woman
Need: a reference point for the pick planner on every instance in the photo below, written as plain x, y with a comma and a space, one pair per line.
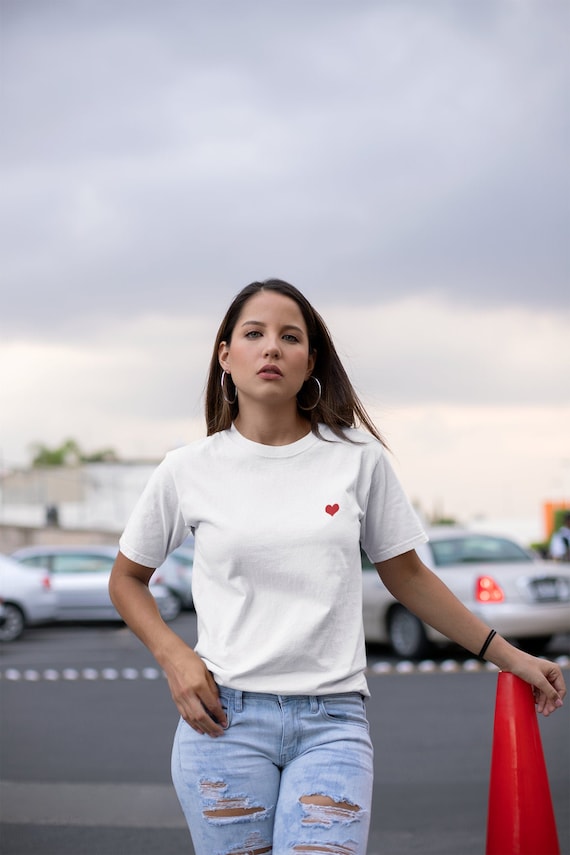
272, 753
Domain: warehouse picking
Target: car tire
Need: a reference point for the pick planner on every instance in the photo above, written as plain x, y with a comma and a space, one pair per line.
170, 607
13, 623
407, 634
536, 644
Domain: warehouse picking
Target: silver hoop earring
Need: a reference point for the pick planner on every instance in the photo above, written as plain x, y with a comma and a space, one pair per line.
227, 400
319, 390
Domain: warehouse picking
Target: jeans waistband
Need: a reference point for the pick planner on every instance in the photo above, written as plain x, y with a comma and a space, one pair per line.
239, 697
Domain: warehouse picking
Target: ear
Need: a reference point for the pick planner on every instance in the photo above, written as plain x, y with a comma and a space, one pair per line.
311, 363
223, 356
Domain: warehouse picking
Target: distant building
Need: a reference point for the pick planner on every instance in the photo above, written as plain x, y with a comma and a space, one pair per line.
92, 495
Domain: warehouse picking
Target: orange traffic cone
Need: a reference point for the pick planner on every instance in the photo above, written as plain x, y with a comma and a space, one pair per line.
521, 818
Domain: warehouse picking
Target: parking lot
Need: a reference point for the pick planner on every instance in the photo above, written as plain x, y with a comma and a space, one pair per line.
87, 724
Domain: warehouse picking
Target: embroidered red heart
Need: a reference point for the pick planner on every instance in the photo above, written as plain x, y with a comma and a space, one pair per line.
332, 509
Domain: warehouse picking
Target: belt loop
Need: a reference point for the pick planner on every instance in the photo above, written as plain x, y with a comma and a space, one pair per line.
238, 700
314, 704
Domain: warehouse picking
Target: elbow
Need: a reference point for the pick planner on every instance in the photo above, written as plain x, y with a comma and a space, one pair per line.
119, 575
114, 587
125, 576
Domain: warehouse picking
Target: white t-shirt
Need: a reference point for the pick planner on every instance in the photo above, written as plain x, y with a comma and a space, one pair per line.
277, 576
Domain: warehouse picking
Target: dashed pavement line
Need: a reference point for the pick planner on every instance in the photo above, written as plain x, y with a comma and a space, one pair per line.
378, 669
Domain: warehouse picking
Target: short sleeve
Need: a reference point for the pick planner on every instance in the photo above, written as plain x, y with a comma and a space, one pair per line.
156, 525
390, 525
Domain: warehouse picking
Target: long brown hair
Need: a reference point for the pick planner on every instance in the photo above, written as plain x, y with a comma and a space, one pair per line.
339, 406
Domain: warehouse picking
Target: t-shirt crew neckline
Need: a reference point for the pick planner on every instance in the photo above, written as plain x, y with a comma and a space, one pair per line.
260, 450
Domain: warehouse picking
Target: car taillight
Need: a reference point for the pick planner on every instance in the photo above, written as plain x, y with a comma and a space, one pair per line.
46, 583
487, 590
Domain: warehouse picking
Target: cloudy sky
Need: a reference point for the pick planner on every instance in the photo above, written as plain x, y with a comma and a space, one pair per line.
403, 162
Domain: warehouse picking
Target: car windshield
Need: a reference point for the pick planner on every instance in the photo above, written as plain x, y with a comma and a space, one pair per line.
476, 549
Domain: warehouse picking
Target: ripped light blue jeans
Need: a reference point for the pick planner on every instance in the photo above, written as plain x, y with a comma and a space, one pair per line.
291, 775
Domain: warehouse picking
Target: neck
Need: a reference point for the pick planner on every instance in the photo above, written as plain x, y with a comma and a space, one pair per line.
272, 427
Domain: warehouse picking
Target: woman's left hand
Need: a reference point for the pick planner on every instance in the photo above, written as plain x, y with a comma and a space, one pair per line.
546, 679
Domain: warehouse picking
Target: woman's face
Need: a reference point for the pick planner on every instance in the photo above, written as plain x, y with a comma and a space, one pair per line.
268, 355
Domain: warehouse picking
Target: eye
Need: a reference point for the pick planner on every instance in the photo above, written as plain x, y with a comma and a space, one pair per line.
290, 337
252, 334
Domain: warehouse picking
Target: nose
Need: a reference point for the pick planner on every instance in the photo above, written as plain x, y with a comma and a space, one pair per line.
272, 349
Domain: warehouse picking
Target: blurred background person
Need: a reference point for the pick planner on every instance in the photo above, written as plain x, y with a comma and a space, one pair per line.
559, 548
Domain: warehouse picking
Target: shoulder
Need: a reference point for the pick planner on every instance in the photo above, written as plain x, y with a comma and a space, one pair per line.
355, 441
196, 450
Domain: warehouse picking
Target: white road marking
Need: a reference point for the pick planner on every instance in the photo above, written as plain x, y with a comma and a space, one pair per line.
404, 666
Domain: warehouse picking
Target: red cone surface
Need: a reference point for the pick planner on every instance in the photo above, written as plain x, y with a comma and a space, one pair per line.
521, 818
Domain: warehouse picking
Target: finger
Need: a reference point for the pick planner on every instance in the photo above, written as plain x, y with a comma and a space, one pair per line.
194, 713
199, 720
213, 703
206, 709
551, 681
546, 703
548, 707
204, 723
556, 678
208, 696
201, 705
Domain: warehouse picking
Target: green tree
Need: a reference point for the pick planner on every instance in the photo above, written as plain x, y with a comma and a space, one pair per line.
104, 455
68, 454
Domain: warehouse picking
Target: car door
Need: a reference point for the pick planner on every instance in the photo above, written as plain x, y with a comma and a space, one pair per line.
80, 580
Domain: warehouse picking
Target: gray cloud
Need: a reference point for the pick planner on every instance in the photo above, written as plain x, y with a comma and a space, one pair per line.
159, 156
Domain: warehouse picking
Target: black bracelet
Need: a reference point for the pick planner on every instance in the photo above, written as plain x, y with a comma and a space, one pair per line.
488, 640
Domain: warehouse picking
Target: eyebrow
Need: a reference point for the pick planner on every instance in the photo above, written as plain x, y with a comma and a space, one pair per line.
284, 327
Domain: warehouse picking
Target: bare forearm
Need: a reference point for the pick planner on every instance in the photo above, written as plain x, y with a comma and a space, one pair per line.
193, 688
424, 594
137, 606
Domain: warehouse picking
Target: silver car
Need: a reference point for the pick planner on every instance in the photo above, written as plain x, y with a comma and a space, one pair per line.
524, 598
80, 579
26, 598
176, 573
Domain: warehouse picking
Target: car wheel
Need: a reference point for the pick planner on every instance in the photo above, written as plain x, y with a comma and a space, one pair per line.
13, 623
170, 607
536, 644
407, 634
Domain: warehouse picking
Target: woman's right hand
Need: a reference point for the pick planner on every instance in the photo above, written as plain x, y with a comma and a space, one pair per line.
193, 688
195, 692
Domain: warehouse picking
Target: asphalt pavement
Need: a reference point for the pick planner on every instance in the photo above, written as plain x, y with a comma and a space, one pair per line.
87, 724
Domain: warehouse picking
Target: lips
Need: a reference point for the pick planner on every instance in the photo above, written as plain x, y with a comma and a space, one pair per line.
270, 371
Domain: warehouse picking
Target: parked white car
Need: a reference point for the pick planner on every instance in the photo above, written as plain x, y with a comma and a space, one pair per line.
80, 579
523, 597
26, 598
